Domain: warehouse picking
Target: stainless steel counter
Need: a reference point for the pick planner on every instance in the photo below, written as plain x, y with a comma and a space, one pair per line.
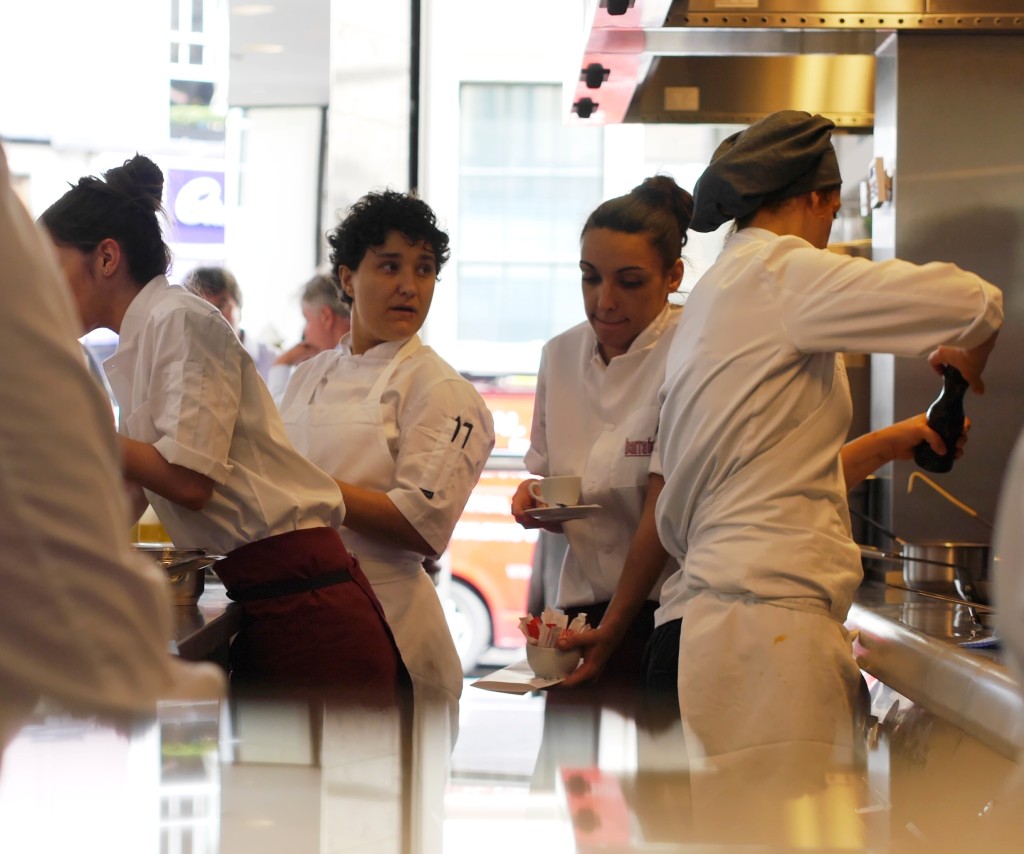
912, 642
202, 631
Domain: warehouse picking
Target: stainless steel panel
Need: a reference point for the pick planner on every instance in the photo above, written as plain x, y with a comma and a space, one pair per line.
683, 41
742, 89
975, 7
953, 143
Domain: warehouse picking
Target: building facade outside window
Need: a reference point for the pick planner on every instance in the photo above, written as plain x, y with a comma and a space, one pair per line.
526, 183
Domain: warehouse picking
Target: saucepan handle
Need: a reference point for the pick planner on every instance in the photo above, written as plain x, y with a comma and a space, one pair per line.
879, 554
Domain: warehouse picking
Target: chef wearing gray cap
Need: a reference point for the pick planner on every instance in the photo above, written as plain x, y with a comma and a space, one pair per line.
756, 407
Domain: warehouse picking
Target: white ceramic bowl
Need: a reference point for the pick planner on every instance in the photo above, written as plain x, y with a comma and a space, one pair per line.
549, 662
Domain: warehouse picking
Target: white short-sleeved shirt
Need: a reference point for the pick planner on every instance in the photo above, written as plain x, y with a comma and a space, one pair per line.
84, 620
185, 384
429, 477
600, 421
756, 408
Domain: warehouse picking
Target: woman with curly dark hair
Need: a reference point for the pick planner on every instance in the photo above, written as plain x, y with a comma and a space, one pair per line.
202, 442
405, 436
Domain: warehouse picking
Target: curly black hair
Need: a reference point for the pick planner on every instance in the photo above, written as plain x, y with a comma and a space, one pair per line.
370, 220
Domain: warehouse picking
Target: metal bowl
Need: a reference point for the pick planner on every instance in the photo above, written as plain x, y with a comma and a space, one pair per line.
185, 569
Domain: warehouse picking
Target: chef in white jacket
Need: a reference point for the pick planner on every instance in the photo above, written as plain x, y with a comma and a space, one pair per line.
86, 621
756, 407
203, 443
596, 410
405, 436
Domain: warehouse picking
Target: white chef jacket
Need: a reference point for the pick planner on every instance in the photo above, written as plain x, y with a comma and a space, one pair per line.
756, 408
1008, 564
84, 620
438, 431
185, 384
600, 421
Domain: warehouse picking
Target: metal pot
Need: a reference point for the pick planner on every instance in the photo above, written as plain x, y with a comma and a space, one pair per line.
185, 570
966, 568
946, 568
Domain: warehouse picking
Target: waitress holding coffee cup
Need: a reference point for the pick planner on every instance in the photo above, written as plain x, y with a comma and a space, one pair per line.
596, 410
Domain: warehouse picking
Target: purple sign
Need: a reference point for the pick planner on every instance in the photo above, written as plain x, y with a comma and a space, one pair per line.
195, 202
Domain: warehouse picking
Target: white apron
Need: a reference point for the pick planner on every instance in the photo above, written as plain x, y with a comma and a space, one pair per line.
757, 668
351, 444
357, 452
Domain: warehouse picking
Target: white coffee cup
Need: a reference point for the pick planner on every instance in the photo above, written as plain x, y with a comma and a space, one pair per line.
559, 491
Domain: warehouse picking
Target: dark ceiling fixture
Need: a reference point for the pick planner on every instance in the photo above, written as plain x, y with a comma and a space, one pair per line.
584, 107
594, 74
618, 7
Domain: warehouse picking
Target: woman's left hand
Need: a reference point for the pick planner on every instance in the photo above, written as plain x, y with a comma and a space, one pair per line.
904, 436
523, 501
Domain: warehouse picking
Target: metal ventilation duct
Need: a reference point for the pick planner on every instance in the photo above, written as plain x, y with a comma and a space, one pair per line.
734, 61
973, 15
742, 89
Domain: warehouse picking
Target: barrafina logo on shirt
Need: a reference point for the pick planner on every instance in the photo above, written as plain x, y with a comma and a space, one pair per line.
639, 447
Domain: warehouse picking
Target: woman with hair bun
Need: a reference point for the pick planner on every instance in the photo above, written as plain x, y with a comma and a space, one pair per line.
202, 442
596, 416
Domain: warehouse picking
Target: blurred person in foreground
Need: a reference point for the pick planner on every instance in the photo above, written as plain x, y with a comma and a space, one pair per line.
219, 287
327, 316
86, 621
202, 442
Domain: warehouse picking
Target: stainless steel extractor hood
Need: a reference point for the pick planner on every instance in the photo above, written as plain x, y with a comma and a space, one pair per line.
734, 61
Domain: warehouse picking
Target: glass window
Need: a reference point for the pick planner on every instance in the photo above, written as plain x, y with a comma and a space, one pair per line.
198, 69
527, 182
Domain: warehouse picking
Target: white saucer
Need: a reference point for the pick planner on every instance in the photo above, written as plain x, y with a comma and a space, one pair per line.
561, 514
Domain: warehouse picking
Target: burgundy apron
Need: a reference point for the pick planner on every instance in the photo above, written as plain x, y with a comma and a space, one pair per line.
310, 620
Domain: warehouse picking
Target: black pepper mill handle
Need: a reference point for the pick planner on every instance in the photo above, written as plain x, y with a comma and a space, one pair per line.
945, 417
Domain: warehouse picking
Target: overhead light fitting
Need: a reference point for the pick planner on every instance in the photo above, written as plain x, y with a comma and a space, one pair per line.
248, 9
263, 48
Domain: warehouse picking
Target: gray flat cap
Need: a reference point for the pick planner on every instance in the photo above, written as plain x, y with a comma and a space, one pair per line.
781, 156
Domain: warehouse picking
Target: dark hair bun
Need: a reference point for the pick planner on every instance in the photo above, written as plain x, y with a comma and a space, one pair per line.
138, 179
662, 191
